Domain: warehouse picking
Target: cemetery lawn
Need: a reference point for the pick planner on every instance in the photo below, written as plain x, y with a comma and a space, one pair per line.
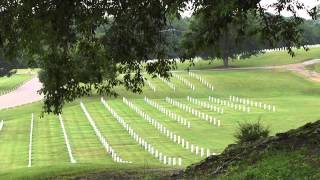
9, 83
267, 59
296, 99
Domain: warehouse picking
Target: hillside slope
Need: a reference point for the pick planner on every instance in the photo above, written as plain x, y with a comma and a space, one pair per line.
291, 155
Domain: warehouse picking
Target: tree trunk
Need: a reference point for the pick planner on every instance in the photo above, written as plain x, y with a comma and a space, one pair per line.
225, 61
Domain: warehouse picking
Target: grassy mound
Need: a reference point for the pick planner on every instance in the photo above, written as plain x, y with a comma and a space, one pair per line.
291, 155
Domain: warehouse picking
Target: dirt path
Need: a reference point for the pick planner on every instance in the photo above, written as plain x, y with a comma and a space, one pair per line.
25, 94
301, 69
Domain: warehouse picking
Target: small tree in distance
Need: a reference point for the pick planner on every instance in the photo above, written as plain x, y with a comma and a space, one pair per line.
249, 132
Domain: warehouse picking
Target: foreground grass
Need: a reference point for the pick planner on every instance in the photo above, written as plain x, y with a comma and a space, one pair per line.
267, 59
296, 100
85, 171
12, 82
277, 165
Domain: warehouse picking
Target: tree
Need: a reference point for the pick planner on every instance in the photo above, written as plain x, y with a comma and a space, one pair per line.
230, 44
74, 58
229, 29
5, 68
311, 32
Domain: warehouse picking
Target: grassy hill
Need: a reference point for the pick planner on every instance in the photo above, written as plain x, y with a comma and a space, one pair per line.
290, 155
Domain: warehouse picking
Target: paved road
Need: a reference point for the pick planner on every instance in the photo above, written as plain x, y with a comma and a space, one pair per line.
25, 94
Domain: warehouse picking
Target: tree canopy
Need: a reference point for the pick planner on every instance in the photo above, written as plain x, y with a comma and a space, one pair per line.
86, 44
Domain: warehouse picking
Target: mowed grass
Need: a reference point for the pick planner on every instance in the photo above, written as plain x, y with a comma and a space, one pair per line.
266, 59
296, 99
27, 71
9, 83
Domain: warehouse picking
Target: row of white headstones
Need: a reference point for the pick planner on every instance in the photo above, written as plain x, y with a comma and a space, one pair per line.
30, 141
1, 124
72, 160
284, 49
250, 102
168, 113
171, 85
197, 113
69, 149
147, 146
237, 107
184, 81
202, 80
151, 86
66, 140
169, 134
102, 139
205, 105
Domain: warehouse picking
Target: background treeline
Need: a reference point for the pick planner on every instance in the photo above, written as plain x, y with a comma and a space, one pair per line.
179, 36
183, 42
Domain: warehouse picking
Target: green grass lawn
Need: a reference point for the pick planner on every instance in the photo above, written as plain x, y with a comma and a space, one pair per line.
267, 59
9, 83
27, 71
295, 98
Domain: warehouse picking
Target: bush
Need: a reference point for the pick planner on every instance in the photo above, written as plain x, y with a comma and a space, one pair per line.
249, 132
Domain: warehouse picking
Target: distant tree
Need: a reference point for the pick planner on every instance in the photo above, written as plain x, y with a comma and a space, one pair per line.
173, 33
63, 36
250, 132
311, 34
5, 68
231, 42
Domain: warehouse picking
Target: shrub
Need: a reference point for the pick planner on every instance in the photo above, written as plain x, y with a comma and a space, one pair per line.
249, 132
